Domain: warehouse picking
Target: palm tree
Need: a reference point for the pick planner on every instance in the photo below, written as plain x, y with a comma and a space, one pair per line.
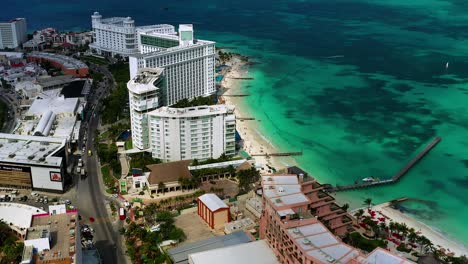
368, 202
345, 207
359, 214
392, 226
162, 186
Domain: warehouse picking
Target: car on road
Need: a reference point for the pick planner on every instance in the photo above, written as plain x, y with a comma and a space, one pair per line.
67, 202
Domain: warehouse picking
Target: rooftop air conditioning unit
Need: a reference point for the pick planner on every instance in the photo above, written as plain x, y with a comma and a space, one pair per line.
306, 242
296, 231
11, 155
281, 189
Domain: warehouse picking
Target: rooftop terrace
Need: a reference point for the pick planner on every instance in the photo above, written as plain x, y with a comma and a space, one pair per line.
63, 228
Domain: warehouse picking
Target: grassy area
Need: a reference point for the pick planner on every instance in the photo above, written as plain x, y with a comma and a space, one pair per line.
120, 71
128, 144
104, 135
109, 181
95, 60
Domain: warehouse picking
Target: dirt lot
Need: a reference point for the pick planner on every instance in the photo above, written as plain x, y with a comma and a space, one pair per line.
194, 227
230, 188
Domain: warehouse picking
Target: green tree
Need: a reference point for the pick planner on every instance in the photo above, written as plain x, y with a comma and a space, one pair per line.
161, 186
345, 207
368, 202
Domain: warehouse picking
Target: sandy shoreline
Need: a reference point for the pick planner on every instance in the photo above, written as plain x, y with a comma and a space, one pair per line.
435, 237
254, 141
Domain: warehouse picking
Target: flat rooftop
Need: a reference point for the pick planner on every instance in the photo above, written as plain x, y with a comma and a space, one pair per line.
257, 252
192, 111
180, 254
67, 62
32, 150
48, 81
283, 189
20, 215
115, 20
59, 105
36, 232
63, 230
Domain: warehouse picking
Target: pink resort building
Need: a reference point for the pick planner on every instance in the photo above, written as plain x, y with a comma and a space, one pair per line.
291, 226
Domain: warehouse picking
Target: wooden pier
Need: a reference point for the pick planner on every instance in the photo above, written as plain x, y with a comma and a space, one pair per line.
278, 154
395, 178
236, 95
245, 118
240, 78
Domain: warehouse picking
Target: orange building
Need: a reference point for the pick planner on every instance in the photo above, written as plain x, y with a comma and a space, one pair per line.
213, 211
68, 65
297, 236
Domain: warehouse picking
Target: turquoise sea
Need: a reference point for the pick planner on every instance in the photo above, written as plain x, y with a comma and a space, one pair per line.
359, 85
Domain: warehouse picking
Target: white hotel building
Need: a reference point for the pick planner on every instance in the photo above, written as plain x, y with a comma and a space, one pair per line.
118, 35
192, 133
144, 91
189, 64
13, 33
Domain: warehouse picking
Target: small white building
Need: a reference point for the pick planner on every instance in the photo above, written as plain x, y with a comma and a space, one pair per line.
13, 33
192, 133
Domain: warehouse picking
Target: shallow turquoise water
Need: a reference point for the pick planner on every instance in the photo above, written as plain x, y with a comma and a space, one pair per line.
359, 85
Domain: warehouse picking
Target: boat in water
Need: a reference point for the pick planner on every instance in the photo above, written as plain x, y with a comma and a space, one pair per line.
368, 179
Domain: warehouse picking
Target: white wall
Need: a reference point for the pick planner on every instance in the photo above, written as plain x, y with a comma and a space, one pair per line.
41, 178
38, 244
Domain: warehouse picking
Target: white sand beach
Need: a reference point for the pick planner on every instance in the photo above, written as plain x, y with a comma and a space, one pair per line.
435, 237
254, 142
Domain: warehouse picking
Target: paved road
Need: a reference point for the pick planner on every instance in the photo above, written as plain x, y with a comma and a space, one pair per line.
13, 105
90, 199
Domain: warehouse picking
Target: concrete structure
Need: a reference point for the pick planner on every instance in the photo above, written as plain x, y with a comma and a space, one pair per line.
18, 216
297, 236
180, 255
32, 162
323, 205
192, 133
245, 224
257, 252
213, 210
68, 65
13, 33
145, 94
189, 64
52, 36
56, 238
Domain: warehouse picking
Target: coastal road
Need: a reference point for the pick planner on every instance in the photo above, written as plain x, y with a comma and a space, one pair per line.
13, 108
91, 201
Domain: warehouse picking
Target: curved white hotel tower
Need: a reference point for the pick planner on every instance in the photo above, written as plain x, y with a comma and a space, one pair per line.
200, 132
144, 92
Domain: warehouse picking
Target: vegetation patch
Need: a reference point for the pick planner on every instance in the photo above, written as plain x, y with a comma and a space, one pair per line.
355, 239
197, 101
141, 160
95, 60
10, 249
109, 181
142, 244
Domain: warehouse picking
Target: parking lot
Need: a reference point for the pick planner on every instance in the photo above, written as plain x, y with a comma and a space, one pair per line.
32, 198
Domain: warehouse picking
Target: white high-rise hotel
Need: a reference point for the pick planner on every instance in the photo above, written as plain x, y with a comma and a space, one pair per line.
192, 133
118, 35
165, 67
173, 134
13, 33
189, 64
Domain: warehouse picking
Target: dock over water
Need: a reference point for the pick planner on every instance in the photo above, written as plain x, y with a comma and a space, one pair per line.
395, 178
278, 154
